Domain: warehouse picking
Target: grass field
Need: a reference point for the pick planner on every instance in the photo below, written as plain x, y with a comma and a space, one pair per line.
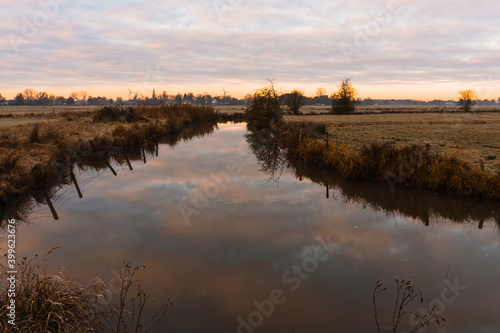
21, 110
28, 110
398, 109
470, 136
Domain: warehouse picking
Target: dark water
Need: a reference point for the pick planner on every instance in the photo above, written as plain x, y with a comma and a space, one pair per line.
221, 238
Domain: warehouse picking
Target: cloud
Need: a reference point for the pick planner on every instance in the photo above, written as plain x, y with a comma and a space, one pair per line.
188, 43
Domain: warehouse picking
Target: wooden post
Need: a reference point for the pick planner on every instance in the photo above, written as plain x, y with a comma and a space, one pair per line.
327, 192
129, 165
481, 224
157, 148
327, 145
143, 152
52, 209
73, 178
111, 168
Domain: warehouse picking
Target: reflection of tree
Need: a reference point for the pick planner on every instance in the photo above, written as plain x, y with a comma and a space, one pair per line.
417, 204
413, 203
270, 156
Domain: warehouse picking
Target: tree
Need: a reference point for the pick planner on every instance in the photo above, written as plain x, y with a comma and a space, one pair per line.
264, 109
74, 95
29, 95
164, 96
178, 99
208, 98
19, 99
42, 98
321, 92
60, 100
83, 94
70, 101
2, 99
344, 100
294, 101
468, 98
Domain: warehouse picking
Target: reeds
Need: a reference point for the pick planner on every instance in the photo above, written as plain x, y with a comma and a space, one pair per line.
45, 133
8, 161
53, 303
408, 165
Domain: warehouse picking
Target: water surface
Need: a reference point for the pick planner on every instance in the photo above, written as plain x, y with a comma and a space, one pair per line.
218, 235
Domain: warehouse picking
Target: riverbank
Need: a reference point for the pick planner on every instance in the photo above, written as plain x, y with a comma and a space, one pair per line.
34, 158
472, 137
408, 165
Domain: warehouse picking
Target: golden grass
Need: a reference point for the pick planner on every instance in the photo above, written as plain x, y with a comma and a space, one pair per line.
43, 109
29, 151
376, 109
410, 165
53, 303
471, 137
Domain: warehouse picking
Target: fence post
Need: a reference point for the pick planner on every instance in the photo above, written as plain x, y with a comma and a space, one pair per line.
111, 168
52, 209
129, 165
73, 178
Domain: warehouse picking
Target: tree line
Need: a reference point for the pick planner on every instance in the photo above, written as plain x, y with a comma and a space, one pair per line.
321, 98
266, 104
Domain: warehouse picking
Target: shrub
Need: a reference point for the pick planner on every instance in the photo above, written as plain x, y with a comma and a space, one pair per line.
294, 101
343, 101
264, 110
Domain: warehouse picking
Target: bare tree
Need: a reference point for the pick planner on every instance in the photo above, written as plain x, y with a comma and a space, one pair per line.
321, 92
294, 101
468, 98
74, 95
29, 95
344, 100
83, 94
264, 109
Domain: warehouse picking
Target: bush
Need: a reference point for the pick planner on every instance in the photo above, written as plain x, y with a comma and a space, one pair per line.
344, 100
294, 101
264, 110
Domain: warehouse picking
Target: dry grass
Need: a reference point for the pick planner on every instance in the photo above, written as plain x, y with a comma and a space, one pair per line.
28, 152
43, 109
471, 137
53, 303
378, 109
410, 165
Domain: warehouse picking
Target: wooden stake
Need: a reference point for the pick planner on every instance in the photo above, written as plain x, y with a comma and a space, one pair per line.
111, 168
129, 165
143, 152
52, 209
73, 178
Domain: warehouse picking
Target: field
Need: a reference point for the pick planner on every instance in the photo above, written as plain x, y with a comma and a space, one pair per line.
21, 110
472, 137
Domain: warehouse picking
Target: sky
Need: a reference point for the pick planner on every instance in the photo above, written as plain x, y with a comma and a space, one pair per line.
419, 49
